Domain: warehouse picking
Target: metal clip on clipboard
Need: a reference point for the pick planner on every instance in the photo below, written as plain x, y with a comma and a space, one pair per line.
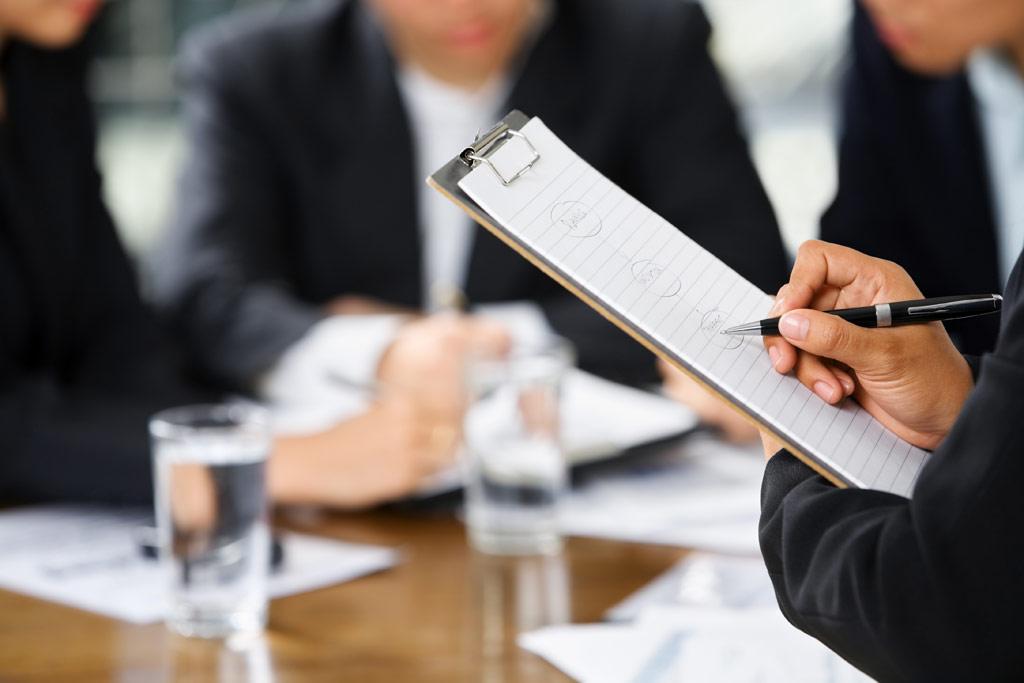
487, 144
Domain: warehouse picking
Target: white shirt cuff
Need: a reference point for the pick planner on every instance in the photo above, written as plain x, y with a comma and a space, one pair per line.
334, 366
524, 320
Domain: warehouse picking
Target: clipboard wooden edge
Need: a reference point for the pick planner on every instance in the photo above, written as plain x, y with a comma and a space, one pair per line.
446, 182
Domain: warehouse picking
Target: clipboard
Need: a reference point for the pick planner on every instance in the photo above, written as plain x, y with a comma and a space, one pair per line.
446, 181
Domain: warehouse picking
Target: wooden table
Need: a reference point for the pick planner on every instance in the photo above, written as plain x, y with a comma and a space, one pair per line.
445, 614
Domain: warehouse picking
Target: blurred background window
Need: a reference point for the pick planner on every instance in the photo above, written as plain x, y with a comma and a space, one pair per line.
782, 60
133, 85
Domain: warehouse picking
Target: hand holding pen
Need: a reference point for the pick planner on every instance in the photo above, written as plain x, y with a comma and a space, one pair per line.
909, 377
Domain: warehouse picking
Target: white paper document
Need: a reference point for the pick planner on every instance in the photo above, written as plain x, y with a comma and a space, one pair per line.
601, 418
704, 494
675, 293
704, 580
677, 645
89, 557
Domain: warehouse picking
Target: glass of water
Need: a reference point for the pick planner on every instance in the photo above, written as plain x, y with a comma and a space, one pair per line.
515, 473
211, 512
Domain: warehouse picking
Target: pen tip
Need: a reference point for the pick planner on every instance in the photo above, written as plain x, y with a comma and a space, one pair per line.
743, 330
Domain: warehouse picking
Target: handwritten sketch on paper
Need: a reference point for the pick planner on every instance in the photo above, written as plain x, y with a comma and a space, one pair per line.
673, 292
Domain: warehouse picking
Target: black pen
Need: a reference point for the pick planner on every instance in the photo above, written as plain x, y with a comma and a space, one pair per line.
896, 313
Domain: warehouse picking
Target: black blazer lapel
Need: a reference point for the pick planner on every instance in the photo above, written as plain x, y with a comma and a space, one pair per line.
961, 230
51, 122
365, 120
967, 224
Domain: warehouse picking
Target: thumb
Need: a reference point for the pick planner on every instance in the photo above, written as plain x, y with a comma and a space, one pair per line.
829, 336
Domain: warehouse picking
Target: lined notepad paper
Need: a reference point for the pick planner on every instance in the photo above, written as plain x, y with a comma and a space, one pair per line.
670, 290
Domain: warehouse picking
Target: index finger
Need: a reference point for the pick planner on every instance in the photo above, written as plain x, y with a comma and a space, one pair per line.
821, 272
821, 265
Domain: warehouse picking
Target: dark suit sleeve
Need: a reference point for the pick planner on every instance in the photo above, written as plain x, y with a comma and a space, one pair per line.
922, 590
60, 446
220, 276
75, 429
86, 441
81, 434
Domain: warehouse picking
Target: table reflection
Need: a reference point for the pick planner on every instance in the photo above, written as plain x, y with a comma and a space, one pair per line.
512, 595
170, 658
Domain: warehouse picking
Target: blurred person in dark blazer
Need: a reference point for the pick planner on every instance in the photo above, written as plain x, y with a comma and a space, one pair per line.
305, 236
82, 362
932, 154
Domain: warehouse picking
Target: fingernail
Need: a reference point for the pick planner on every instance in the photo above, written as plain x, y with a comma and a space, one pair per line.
774, 354
847, 383
794, 326
824, 390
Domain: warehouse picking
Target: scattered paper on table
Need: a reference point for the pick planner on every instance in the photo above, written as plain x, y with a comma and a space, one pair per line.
679, 645
595, 653
703, 580
746, 645
89, 557
706, 495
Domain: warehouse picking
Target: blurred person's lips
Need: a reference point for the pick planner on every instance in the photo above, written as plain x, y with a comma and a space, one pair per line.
86, 9
472, 34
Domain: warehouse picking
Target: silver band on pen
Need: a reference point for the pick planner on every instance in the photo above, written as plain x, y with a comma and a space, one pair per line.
883, 315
